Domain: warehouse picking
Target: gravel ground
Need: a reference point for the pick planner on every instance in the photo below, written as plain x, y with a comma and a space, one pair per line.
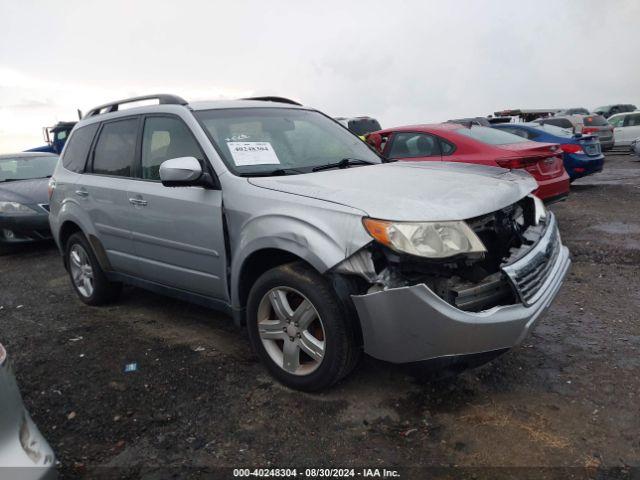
568, 397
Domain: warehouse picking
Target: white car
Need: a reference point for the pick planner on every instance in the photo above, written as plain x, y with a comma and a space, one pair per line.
635, 147
626, 127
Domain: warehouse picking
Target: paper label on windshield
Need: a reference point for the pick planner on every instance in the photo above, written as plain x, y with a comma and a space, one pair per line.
253, 153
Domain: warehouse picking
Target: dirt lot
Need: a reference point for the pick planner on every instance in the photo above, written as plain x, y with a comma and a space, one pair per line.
568, 397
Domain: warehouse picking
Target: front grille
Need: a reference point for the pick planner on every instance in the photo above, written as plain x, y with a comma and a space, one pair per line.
531, 276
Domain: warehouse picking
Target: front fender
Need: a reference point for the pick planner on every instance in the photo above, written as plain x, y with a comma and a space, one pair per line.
322, 240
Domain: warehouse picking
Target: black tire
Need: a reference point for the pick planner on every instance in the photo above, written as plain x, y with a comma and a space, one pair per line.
341, 347
104, 291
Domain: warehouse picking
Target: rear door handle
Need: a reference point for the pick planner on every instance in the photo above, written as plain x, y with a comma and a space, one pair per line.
82, 193
138, 202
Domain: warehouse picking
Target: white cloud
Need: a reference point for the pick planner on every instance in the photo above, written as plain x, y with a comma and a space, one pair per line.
404, 62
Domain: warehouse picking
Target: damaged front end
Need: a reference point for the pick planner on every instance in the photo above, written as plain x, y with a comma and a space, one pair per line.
468, 282
413, 308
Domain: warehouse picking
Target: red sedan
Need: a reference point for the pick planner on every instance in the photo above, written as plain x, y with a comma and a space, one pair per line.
452, 142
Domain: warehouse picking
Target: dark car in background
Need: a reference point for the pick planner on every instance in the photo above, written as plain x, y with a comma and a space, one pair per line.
24, 200
360, 125
581, 154
608, 110
454, 142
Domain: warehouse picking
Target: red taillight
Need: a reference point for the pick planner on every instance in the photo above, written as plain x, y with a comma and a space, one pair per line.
589, 130
513, 163
572, 148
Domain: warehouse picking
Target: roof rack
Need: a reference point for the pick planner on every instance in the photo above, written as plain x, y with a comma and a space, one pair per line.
274, 99
162, 98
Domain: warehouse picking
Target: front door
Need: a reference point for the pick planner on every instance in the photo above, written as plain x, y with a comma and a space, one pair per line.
177, 232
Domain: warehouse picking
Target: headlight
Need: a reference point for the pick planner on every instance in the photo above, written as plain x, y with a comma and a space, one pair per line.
425, 239
15, 208
540, 210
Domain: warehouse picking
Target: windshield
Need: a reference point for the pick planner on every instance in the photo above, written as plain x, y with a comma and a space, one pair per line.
491, 136
25, 168
260, 141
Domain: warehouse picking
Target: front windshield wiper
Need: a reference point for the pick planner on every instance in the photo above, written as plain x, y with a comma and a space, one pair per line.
344, 163
272, 173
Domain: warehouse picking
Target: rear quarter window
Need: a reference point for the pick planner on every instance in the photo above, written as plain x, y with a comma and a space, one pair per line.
77, 148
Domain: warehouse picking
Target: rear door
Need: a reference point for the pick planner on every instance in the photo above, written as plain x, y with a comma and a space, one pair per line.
103, 190
177, 232
413, 146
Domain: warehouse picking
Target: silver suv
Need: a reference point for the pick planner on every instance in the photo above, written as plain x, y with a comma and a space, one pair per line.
280, 216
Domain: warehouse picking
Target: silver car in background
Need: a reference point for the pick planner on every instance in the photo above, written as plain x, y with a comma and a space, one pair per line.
281, 217
24, 452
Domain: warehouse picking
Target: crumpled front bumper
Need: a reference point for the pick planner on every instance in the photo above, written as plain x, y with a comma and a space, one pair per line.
411, 324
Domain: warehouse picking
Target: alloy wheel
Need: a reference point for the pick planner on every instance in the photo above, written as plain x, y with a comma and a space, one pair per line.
291, 330
81, 270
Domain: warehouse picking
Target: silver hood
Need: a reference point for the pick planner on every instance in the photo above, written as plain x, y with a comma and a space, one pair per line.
420, 191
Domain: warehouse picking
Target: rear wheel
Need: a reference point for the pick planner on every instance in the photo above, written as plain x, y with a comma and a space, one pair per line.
299, 330
87, 277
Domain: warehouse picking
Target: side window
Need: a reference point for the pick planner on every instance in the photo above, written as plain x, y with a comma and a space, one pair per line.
115, 148
75, 155
632, 120
165, 138
616, 122
411, 145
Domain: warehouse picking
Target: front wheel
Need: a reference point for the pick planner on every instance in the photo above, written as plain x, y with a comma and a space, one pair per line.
299, 328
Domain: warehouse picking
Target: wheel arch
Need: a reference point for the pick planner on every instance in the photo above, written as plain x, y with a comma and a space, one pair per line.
254, 265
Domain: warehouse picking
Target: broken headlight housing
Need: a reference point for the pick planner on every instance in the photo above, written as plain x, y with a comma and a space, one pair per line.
426, 239
540, 210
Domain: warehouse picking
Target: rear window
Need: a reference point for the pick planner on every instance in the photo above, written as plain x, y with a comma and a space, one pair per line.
491, 136
557, 131
74, 157
558, 122
595, 121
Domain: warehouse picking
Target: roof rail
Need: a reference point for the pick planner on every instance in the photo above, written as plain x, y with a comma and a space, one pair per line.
162, 98
274, 99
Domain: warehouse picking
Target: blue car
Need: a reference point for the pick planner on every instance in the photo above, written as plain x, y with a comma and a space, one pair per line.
582, 154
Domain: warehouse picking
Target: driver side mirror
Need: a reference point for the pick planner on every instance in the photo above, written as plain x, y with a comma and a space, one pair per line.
184, 172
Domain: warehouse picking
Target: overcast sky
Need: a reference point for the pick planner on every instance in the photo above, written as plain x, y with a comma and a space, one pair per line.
402, 62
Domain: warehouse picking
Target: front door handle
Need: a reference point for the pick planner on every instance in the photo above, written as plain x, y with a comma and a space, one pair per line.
138, 202
82, 193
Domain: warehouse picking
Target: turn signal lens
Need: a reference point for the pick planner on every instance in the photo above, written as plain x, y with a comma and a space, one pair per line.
377, 229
